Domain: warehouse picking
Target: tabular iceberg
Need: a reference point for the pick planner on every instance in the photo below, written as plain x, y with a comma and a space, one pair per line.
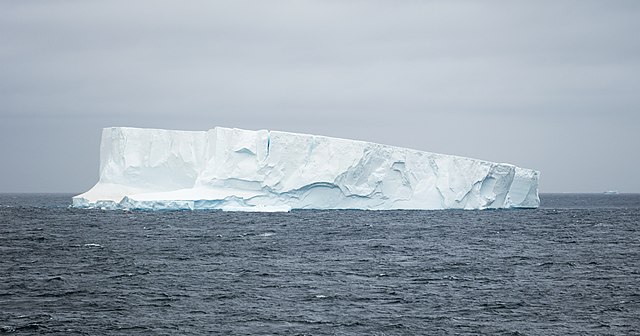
241, 170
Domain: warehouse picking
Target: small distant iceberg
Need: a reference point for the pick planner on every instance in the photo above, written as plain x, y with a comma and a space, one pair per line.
611, 192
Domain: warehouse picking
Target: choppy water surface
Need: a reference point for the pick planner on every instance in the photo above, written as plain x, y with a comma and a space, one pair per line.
571, 267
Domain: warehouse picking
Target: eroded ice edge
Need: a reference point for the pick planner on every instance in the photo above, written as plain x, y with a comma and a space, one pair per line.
241, 170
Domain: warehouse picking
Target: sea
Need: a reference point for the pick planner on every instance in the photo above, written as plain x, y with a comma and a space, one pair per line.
570, 267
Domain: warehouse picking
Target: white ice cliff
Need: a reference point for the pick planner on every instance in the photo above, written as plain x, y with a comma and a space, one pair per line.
240, 170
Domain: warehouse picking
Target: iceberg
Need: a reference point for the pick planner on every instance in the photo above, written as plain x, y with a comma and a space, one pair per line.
240, 170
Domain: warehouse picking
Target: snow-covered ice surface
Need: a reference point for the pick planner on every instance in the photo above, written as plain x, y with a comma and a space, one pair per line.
241, 170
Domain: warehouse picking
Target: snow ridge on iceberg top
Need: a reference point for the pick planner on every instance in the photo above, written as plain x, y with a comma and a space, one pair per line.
296, 134
225, 168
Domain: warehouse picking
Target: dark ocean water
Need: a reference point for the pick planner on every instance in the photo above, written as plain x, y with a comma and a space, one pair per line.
571, 267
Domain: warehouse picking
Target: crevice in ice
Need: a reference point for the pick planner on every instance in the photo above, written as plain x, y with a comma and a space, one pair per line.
268, 145
443, 204
245, 151
312, 146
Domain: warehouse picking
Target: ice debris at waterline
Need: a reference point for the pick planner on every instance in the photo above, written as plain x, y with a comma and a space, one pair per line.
241, 170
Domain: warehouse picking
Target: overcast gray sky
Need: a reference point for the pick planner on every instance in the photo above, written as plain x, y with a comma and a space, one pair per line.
549, 85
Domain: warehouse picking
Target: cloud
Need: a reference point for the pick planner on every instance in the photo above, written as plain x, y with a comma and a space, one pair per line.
407, 73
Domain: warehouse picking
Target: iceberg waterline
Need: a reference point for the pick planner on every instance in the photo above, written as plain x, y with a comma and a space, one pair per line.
241, 170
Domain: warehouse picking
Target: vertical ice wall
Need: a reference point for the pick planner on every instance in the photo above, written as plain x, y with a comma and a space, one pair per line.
262, 170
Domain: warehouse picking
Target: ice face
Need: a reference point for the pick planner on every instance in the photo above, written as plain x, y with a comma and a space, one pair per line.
241, 170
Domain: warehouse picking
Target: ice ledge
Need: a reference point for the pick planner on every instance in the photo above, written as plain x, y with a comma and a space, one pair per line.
240, 170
